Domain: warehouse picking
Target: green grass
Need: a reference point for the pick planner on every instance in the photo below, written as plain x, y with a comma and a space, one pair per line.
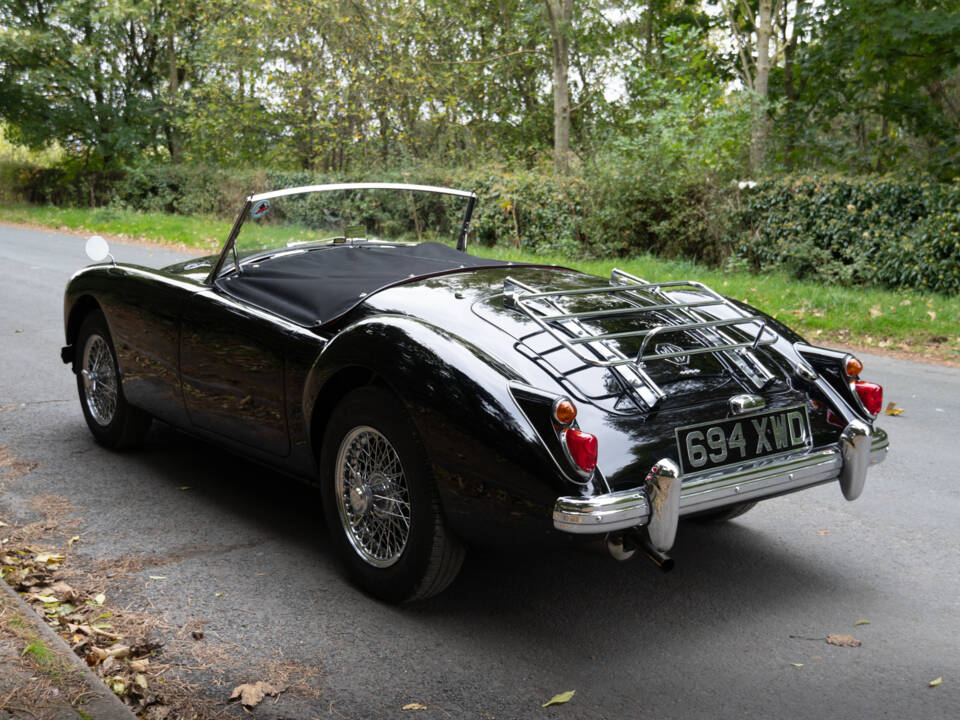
870, 317
873, 317
44, 657
201, 233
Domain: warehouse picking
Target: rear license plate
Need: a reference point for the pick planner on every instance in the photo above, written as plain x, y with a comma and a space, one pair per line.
709, 445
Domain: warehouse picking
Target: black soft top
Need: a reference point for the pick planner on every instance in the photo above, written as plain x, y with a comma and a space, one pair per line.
317, 286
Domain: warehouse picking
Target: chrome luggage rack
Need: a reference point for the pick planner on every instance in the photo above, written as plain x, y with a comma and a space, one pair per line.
639, 298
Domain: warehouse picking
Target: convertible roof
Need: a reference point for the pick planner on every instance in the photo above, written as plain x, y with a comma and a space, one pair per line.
317, 286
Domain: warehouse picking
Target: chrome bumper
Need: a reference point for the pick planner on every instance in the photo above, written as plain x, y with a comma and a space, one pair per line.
655, 507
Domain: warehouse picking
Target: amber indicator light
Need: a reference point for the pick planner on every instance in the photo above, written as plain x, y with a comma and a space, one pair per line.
564, 411
853, 366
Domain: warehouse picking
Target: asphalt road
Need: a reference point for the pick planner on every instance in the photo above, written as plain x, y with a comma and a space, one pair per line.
244, 552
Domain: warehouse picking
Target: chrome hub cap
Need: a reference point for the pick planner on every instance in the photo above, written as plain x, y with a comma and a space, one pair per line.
359, 499
372, 496
99, 380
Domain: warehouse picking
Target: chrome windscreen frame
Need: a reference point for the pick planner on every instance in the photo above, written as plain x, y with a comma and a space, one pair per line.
229, 246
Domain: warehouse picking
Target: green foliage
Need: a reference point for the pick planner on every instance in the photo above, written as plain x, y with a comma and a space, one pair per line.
186, 189
874, 87
660, 185
865, 231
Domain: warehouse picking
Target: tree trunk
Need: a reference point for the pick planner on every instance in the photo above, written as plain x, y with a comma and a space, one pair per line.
174, 140
789, 81
559, 15
761, 128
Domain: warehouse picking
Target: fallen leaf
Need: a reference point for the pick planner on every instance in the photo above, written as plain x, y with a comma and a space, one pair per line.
861, 622
48, 558
3, 524
63, 591
892, 409
183, 487
46, 599
118, 651
117, 685
74, 539
219, 595
905, 302
99, 599
932, 314
414, 706
875, 311
843, 640
158, 577
141, 680
560, 699
797, 664
823, 532
252, 694
139, 665
934, 683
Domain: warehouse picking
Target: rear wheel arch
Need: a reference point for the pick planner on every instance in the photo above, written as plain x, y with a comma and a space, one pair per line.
334, 389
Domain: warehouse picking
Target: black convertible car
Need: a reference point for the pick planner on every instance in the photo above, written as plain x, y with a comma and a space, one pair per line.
344, 336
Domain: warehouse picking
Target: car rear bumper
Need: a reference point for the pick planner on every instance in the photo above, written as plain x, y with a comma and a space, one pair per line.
846, 462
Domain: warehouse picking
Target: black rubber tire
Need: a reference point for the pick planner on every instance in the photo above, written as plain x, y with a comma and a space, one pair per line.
723, 514
432, 556
128, 425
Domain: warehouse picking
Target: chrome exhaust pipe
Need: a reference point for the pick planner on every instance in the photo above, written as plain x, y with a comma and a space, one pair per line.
624, 547
660, 559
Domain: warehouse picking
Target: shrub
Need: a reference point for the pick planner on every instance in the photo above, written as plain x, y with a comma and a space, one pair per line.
872, 230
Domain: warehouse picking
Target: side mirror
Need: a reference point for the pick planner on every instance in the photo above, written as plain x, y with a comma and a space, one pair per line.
97, 249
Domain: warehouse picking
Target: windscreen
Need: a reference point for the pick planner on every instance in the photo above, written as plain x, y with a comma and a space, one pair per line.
352, 215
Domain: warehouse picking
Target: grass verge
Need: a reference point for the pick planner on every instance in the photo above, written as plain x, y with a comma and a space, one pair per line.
920, 324
44, 661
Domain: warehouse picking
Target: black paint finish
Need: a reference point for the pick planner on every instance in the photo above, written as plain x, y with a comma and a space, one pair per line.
447, 348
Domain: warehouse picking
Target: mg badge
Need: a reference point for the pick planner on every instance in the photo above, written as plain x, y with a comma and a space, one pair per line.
667, 349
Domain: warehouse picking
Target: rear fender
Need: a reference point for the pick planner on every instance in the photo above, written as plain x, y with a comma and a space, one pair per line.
489, 463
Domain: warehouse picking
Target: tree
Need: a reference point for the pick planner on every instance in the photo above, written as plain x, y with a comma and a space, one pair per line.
559, 17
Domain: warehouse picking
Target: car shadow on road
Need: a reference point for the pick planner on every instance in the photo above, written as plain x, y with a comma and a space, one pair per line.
722, 570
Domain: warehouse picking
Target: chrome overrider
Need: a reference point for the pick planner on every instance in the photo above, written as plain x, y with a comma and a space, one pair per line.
656, 506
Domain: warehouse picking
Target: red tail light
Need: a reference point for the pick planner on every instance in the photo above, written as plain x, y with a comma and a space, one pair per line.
582, 447
871, 395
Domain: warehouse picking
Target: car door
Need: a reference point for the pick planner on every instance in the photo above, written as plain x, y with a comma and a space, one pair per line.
232, 371
143, 315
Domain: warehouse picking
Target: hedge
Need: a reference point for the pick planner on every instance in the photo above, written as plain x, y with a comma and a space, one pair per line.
888, 230
885, 231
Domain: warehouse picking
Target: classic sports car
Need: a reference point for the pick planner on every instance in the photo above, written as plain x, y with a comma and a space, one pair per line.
441, 399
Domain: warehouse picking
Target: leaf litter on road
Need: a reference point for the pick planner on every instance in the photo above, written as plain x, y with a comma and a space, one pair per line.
861, 622
934, 683
843, 640
252, 694
560, 698
414, 706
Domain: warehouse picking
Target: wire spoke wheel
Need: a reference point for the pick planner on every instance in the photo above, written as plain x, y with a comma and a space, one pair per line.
372, 496
99, 378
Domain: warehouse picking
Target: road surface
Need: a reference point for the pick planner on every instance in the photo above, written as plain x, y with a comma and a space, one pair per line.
243, 553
